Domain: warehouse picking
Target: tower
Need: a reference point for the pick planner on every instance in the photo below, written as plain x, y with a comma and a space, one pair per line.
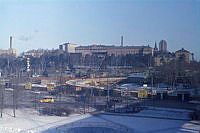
10, 42
122, 41
155, 50
163, 46
155, 47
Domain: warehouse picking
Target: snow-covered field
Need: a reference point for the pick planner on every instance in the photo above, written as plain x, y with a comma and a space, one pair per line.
29, 121
181, 114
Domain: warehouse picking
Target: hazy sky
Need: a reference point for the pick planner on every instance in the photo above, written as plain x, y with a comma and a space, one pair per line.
47, 23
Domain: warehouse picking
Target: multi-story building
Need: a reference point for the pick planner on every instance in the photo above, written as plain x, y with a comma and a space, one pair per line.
35, 53
113, 50
84, 50
183, 54
163, 46
70, 48
163, 56
163, 59
10, 51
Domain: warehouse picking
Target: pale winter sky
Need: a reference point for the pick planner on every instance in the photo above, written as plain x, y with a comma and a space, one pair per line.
47, 23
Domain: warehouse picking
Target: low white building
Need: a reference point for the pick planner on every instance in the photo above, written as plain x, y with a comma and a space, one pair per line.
70, 48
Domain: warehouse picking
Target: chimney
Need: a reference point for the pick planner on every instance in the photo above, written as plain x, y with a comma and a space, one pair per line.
122, 41
10, 42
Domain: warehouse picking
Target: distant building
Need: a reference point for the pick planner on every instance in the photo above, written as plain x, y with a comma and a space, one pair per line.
183, 54
163, 46
113, 50
155, 50
192, 54
35, 53
60, 47
142, 50
10, 51
163, 59
84, 50
70, 48
162, 56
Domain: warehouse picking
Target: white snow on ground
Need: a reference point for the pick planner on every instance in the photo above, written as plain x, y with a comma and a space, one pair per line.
151, 125
29, 121
169, 109
166, 113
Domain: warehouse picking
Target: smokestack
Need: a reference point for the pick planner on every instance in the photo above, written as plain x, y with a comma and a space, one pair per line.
122, 41
10, 42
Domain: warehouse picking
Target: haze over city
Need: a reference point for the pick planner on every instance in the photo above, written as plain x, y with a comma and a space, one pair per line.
47, 23
99, 66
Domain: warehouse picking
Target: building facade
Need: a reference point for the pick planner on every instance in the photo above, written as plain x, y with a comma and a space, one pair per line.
70, 48
163, 46
161, 60
10, 51
35, 53
183, 54
113, 50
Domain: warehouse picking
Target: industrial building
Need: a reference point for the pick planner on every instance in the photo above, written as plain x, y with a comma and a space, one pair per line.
114, 50
10, 51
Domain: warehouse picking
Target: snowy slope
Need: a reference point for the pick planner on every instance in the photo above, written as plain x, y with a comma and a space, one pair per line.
28, 121
181, 114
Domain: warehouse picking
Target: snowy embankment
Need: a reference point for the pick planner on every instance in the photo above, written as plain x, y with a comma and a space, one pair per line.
157, 112
166, 113
29, 121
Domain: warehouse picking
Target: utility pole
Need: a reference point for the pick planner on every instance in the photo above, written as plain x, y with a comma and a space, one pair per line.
35, 100
17, 84
152, 89
14, 104
108, 92
84, 104
2, 98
